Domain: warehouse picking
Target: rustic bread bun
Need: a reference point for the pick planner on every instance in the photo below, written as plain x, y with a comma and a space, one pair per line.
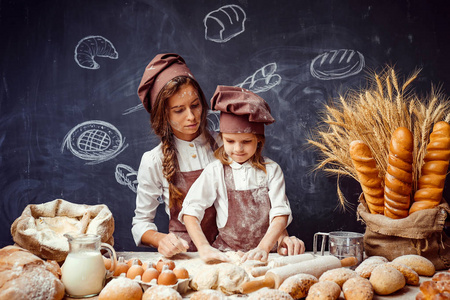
368, 176
411, 276
26, 276
357, 288
208, 295
398, 178
386, 280
366, 267
432, 178
161, 292
420, 264
298, 285
269, 294
339, 275
324, 290
121, 288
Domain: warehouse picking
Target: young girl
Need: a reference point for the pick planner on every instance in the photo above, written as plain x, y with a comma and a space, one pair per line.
178, 112
247, 189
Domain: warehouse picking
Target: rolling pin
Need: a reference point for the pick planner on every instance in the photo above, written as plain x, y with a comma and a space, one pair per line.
316, 267
281, 261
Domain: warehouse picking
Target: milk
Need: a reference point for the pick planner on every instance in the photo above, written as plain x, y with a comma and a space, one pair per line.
83, 273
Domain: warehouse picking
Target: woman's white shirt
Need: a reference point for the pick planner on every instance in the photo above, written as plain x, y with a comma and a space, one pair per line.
192, 156
210, 189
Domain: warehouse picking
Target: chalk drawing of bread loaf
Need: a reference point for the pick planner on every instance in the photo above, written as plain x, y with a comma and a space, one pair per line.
262, 80
92, 46
223, 24
337, 64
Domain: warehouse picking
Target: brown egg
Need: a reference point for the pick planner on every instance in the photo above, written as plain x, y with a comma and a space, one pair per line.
121, 267
150, 274
146, 265
135, 270
133, 261
181, 272
167, 277
165, 262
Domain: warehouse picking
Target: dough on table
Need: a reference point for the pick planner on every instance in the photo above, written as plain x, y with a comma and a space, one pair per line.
225, 277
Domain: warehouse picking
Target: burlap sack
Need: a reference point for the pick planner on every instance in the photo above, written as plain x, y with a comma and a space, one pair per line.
41, 227
420, 233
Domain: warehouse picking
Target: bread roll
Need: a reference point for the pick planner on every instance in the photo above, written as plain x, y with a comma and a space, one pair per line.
411, 276
324, 290
368, 176
339, 275
208, 295
357, 288
432, 179
121, 288
161, 292
420, 264
298, 285
386, 280
398, 178
269, 294
23, 275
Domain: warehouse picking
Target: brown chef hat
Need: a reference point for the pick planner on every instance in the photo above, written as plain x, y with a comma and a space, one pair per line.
162, 69
241, 111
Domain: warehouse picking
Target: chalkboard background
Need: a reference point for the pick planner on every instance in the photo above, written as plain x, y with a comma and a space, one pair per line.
49, 96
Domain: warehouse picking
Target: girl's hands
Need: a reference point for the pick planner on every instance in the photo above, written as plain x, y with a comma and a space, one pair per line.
171, 245
212, 255
256, 254
290, 245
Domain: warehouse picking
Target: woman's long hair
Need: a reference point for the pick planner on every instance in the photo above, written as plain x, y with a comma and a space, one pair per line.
159, 118
256, 160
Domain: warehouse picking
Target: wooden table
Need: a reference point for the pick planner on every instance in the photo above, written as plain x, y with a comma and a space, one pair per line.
193, 264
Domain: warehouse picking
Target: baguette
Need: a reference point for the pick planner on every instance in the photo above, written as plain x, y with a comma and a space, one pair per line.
432, 179
398, 179
367, 172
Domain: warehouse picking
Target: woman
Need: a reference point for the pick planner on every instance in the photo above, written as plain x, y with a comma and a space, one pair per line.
178, 112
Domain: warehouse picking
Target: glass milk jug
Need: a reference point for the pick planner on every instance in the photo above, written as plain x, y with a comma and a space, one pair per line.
83, 272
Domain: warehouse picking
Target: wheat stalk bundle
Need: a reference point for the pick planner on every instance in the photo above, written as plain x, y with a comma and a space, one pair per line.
372, 115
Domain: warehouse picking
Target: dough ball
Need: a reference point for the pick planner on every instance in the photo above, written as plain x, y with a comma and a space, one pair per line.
269, 294
205, 279
121, 288
208, 295
161, 292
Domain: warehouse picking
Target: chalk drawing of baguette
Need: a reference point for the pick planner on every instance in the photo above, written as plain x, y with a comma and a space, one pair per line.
223, 24
337, 64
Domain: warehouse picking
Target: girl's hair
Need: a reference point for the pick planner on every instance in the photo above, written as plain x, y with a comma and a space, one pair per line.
256, 160
159, 118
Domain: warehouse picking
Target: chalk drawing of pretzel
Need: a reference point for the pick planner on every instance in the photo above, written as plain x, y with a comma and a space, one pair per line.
223, 24
92, 46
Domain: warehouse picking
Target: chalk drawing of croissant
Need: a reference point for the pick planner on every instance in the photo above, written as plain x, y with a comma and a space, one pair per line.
92, 46
223, 24
262, 80
337, 64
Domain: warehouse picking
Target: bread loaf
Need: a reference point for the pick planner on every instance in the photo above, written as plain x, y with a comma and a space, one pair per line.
386, 280
324, 290
367, 172
121, 288
161, 292
432, 179
269, 294
422, 265
338, 275
23, 275
298, 285
398, 178
411, 276
357, 288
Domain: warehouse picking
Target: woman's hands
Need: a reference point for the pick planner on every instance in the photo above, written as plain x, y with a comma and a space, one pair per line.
210, 254
255, 254
171, 245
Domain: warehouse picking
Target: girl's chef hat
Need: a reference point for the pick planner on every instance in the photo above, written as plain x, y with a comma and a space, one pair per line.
163, 68
241, 111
